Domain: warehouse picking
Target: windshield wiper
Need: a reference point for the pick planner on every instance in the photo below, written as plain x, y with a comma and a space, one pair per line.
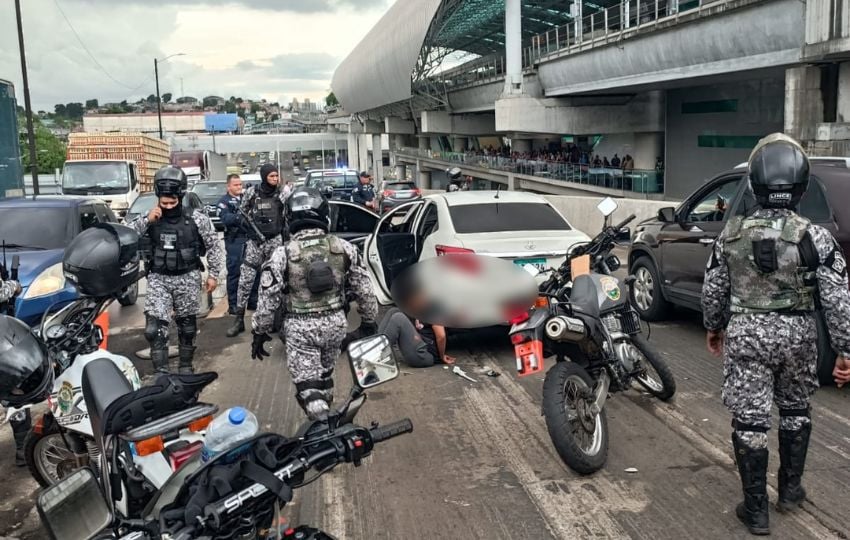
23, 246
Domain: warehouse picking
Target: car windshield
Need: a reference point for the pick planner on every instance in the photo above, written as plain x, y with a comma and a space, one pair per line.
94, 176
39, 228
142, 205
500, 217
210, 192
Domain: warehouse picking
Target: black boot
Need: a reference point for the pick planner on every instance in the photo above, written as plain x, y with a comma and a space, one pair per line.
752, 465
187, 354
238, 325
159, 357
793, 446
20, 429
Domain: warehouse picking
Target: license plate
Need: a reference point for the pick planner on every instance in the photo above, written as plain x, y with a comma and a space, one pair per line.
540, 264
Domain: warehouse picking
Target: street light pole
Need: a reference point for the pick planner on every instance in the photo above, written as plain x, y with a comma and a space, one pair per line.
27, 105
158, 99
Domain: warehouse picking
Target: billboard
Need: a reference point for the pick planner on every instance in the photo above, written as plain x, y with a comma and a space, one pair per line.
221, 122
11, 173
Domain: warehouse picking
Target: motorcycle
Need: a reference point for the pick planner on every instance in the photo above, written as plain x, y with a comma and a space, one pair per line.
238, 493
583, 317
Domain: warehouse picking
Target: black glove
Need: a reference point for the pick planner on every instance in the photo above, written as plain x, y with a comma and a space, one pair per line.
368, 329
258, 349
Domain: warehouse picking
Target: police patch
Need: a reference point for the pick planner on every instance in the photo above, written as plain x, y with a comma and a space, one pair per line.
835, 262
267, 279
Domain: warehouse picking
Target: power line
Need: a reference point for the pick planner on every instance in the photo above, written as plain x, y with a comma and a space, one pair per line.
96, 62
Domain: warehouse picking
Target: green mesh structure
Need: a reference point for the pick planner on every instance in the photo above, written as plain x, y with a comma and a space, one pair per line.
478, 26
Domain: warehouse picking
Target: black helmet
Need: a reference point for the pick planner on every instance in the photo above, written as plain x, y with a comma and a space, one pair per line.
454, 173
25, 373
103, 260
307, 208
779, 172
170, 182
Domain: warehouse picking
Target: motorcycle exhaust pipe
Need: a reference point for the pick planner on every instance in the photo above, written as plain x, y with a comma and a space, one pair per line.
600, 393
563, 328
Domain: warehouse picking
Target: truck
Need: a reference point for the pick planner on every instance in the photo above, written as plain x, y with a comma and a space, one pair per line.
11, 179
115, 167
200, 165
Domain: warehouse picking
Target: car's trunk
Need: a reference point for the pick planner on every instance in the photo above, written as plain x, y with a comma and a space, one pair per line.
545, 248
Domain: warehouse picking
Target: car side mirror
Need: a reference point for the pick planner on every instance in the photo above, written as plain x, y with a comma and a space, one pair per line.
667, 214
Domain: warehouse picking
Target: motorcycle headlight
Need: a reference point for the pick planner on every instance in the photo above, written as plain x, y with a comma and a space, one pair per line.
49, 281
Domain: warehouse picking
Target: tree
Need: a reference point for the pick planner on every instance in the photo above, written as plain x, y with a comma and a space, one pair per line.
60, 110
239, 101
331, 100
92, 104
74, 110
230, 107
151, 99
255, 107
49, 150
166, 97
210, 102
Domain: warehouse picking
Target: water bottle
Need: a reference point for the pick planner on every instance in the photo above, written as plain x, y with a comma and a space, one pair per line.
226, 431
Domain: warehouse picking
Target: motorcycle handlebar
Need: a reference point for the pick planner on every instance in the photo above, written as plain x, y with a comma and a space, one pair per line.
624, 222
383, 433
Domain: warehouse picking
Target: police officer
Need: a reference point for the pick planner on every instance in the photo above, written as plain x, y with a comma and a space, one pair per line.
177, 239
364, 193
235, 238
21, 421
767, 275
316, 271
263, 207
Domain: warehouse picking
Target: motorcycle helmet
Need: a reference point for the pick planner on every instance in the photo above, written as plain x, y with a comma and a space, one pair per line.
307, 208
103, 260
778, 172
25, 373
454, 173
170, 181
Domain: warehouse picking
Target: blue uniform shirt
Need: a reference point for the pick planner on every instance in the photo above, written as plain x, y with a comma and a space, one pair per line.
228, 212
363, 193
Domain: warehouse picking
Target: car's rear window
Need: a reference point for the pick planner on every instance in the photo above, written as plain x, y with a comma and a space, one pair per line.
337, 180
39, 228
401, 186
499, 217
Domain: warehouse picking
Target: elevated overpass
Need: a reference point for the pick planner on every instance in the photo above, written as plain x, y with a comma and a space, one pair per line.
694, 83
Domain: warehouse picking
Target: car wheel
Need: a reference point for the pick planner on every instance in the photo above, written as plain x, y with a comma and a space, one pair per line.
645, 294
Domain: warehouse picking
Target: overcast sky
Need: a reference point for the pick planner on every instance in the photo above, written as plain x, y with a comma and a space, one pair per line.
272, 49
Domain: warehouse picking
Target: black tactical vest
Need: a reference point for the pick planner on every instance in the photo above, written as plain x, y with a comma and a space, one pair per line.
176, 245
267, 213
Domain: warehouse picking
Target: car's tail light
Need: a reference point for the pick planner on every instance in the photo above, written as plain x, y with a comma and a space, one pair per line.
388, 193
448, 250
417, 192
183, 454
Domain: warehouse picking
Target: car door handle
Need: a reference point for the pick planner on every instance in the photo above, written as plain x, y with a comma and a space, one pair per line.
706, 240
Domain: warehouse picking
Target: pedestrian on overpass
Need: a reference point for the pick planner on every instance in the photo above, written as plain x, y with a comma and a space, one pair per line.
235, 238
364, 193
178, 238
768, 274
308, 279
262, 214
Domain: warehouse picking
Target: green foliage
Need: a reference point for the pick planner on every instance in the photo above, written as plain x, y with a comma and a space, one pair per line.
331, 100
49, 150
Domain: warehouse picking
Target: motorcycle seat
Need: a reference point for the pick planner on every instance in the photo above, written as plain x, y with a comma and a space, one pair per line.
103, 383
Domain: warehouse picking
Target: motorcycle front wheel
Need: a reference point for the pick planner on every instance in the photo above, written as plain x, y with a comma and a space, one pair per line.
657, 378
579, 436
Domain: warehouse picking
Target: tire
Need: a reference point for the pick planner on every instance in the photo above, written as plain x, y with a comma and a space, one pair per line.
35, 446
129, 298
826, 356
645, 293
663, 375
561, 427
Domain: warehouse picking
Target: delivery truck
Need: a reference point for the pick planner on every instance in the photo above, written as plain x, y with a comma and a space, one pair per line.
201, 165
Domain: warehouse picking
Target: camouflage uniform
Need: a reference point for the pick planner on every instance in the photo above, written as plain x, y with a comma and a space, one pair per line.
312, 340
178, 294
772, 356
256, 254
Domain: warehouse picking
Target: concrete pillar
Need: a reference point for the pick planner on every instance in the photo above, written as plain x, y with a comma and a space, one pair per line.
400, 172
424, 179
803, 102
520, 145
377, 160
398, 142
353, 152
459, 144
512, 183
363, 148
648, 147
425, 142
576, 12
843, 93
513, 48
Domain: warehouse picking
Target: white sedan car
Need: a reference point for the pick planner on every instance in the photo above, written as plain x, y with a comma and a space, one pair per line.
512, 225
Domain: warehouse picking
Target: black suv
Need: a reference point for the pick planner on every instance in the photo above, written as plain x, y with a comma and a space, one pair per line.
669, 253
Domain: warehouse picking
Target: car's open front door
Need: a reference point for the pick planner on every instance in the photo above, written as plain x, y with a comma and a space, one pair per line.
391, 248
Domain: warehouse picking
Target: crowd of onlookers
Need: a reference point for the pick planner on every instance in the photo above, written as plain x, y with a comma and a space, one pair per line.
571, 154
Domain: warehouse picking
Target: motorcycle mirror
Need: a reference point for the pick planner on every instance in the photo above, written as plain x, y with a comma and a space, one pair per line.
75, 507
607, 206
372, 361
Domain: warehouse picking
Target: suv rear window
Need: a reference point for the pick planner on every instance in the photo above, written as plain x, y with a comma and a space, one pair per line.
400, 186
499, 217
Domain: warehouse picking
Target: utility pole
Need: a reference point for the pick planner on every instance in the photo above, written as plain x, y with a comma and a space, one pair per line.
27, 105
158, 99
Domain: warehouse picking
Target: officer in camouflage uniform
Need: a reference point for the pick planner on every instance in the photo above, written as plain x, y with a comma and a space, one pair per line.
768, 274
20, 422
308, 279
176, 238
265, 223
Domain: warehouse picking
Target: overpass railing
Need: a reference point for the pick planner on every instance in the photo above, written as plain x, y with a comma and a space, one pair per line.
632, 181
598, 28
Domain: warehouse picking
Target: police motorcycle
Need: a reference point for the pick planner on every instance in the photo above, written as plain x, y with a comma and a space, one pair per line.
239, 492
583, 318
101, 262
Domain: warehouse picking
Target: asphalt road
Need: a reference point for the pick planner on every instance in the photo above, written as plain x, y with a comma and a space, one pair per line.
480, 464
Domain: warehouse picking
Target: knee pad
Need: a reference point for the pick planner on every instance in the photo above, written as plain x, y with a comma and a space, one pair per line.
794, 419
308, 391
156, 332
749, 435
187, 329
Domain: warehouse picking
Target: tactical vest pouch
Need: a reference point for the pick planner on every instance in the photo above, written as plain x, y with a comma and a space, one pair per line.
320, 277
764, 255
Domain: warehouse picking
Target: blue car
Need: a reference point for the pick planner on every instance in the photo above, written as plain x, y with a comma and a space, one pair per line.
37, 229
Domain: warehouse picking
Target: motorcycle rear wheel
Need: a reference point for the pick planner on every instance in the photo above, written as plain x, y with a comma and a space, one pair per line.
580, 438
48, 458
